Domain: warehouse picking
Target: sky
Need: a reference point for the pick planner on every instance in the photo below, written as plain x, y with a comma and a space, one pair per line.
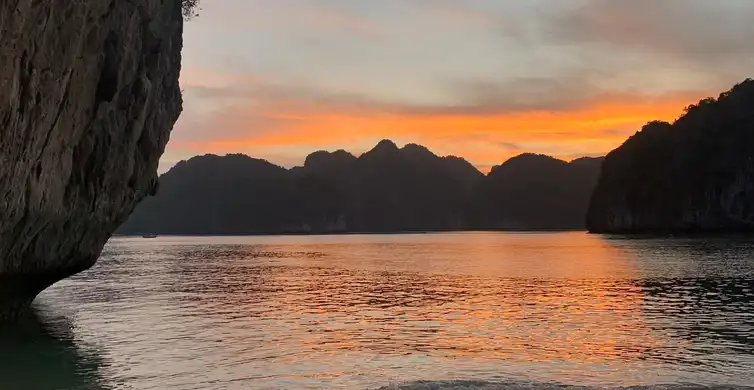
481, 79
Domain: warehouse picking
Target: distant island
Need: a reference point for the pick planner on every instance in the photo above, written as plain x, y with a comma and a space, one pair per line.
695, 175
385, 190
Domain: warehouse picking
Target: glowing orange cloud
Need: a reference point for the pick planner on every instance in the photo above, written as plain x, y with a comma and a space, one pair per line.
484, 139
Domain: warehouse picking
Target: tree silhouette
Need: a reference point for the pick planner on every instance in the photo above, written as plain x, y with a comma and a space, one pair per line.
692, 175
190, 8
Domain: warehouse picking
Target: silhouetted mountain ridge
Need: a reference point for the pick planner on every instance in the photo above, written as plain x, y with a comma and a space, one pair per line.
533, 191
693, 175
386, 189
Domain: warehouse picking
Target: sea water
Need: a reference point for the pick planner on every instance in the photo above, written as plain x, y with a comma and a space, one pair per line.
456, 310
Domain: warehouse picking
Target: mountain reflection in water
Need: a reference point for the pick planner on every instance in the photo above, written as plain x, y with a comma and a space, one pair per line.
370, 311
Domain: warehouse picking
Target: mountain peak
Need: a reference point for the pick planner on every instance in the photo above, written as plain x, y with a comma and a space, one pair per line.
323, 160
532, 158
385, 190
385, 147
527, 162
413, 146
586, 160
386, 144
418, 151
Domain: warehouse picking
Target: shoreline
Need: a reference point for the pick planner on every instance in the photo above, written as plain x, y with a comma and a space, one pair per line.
351, 233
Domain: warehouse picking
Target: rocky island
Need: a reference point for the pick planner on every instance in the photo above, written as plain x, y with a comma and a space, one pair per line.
388, 189
88, 95
695, 175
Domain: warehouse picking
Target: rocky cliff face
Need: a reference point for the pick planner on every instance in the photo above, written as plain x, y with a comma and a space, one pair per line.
88, 95
694, 175
385, 190
532, 191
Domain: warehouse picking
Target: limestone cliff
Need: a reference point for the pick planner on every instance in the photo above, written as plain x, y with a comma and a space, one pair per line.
694, 175
88, 95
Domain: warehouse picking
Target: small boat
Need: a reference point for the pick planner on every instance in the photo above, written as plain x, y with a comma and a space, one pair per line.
148, 236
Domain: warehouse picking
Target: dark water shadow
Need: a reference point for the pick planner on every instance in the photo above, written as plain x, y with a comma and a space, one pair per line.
38, 353
714, 313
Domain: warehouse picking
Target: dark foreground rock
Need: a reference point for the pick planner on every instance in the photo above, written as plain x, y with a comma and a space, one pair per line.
88, 95
695, 175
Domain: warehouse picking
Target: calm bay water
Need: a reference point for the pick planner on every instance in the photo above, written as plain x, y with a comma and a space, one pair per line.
464, 310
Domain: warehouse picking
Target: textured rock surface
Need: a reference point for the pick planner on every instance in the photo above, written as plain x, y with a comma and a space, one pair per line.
695, 175
88, 95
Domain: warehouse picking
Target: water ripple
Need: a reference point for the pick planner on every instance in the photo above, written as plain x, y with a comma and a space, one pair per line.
424, 311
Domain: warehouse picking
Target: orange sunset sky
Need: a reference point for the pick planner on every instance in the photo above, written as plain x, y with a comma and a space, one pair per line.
481, 79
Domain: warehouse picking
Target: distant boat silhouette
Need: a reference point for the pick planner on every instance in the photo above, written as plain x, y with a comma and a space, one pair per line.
149, 236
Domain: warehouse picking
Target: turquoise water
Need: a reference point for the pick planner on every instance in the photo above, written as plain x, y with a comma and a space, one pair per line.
463, 310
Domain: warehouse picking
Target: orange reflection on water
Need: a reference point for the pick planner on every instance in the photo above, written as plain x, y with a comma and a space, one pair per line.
477, 297
364, 311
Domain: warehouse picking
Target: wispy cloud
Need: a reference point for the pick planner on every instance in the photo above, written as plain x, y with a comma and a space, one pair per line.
485, 130
484, 79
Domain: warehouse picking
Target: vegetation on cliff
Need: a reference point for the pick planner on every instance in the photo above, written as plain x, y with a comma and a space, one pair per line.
693, 175
190, 8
